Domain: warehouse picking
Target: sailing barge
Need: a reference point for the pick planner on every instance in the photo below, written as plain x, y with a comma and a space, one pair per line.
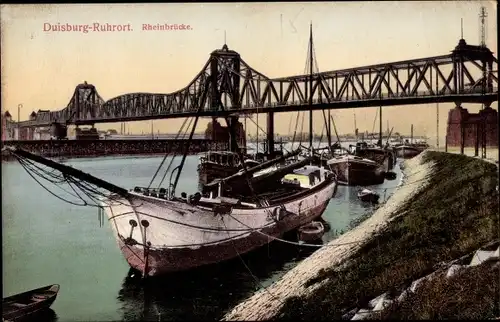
159, 236
162, 233
384, 156
220, 164
356, 171
407, 151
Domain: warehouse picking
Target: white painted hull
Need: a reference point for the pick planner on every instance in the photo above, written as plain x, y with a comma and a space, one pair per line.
184, 236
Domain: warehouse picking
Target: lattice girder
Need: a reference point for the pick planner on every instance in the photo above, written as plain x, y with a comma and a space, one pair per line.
461, 75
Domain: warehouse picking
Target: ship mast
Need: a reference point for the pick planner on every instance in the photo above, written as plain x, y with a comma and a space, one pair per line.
355, 127
380, 126
310, 89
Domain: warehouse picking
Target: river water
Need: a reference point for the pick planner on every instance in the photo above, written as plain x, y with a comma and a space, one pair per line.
47, 241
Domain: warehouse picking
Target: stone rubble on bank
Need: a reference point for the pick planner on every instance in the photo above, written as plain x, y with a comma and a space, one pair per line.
452, 268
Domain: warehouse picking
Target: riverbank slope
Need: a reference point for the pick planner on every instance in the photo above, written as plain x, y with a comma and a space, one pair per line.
447, 207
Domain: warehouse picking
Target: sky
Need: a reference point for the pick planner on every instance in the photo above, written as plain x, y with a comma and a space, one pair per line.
40, 69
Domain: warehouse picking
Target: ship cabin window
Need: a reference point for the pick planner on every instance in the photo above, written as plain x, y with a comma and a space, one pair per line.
314, 177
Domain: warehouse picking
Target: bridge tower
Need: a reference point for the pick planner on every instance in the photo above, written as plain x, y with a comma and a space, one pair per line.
224, 92
82, 106
458, 125
484, 124
84, 101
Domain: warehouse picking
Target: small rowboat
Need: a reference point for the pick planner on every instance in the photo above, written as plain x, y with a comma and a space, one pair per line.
311, 232
29, 303
368, 195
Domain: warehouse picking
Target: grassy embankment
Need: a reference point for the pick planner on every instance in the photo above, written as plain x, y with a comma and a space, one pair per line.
456, 214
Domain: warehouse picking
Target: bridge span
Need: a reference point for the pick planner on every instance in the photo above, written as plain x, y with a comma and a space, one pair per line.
227, 84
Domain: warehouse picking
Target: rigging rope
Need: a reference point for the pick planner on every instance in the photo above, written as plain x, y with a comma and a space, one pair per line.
48, 190
256, 280
172, 160
34, 170
257, 230
166, 155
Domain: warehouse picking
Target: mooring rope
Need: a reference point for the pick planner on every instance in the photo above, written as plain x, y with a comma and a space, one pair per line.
256, 280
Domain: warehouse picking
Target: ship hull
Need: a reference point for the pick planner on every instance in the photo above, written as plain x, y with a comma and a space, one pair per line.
358, 174
164, 261
387, 158
407, 152
180, 236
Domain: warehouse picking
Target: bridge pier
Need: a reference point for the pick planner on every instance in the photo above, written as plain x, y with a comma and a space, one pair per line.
489, 128
462, 136
476, 141
270, 135
472, 129
483, 136
233, 133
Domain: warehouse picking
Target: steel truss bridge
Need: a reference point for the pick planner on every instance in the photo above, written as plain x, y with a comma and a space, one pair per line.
227, 84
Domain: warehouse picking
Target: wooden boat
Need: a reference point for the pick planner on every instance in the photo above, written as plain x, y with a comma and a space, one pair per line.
162, 235
384, 156
29, 304
407, 151
368, 195
356, 171
311, 232
180, 234
220, 164
265, 176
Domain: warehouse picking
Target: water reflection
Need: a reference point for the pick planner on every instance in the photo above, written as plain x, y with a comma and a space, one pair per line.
47, 315
207, 292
